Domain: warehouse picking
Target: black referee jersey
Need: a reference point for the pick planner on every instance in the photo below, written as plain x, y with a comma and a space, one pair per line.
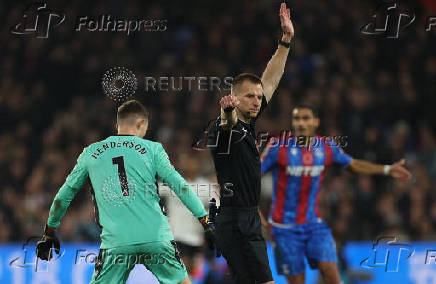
237, 162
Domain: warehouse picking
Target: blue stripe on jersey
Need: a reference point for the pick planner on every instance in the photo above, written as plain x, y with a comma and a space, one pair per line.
294, 187
295, 171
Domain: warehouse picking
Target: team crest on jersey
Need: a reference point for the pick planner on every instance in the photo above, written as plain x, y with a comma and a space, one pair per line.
308, 158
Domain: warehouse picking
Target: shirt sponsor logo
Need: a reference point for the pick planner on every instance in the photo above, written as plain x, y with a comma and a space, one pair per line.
312, 171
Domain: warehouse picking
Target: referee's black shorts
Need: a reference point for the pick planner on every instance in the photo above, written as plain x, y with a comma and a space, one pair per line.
239, 237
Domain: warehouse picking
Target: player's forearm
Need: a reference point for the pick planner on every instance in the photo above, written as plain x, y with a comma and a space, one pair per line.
60, 204
365, 167
228, 119
274, 71
262, 218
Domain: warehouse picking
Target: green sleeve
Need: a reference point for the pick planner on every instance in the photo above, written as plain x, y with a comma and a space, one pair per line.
177, 183
66, 193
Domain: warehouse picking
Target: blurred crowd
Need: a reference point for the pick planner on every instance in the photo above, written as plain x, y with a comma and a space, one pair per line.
380, 93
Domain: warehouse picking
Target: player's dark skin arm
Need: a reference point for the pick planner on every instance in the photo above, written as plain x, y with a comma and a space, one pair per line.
396, 170
266, 229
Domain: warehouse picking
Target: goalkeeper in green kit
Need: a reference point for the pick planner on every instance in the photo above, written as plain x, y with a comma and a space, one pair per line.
122, 170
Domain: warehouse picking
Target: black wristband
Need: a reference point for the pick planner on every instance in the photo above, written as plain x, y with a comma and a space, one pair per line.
284, 43
229, 109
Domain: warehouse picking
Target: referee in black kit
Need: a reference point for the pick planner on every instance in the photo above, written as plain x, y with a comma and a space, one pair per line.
237, 162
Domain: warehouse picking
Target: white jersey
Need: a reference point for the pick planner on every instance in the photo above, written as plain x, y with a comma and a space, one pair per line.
185, 227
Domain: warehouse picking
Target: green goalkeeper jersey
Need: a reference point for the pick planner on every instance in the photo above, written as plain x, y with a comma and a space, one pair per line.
122, 171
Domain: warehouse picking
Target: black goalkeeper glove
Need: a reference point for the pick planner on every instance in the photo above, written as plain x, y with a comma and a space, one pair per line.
44, 247
209, 231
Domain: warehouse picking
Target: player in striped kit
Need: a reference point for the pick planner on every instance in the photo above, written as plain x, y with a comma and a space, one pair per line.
298, 165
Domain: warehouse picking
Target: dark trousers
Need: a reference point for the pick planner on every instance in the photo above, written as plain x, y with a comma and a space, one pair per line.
239, 237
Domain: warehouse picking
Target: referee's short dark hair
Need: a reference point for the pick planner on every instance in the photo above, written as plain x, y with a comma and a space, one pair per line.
307, 106
130, 109
253, 78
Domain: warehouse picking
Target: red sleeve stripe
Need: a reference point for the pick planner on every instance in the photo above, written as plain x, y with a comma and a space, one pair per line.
282, 183
306, 181
328, 154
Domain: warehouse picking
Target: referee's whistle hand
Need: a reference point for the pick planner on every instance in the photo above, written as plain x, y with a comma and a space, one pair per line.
229, 101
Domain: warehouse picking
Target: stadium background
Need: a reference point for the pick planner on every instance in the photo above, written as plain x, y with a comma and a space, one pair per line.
380, 93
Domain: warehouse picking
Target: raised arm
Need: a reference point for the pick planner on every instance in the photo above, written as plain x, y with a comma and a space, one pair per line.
276, 66
396, 170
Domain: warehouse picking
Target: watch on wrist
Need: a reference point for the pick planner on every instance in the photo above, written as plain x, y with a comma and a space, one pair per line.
284, 43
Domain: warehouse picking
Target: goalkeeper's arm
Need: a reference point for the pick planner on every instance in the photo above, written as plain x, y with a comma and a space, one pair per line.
68, 191
177, 183
58, 208
189, 198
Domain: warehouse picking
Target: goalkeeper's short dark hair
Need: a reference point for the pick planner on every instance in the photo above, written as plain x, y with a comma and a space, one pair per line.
132, 108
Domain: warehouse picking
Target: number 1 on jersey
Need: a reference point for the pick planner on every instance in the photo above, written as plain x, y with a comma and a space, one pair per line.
122, 175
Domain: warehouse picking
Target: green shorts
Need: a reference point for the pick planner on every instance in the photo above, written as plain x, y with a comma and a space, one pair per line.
161, 258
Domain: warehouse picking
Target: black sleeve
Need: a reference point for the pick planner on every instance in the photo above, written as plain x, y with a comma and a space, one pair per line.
218, 138
262, 107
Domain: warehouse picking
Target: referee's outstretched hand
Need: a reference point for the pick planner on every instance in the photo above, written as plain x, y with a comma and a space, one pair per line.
229, 102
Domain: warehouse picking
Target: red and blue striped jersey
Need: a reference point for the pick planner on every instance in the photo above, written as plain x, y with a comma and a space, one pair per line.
298, 172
